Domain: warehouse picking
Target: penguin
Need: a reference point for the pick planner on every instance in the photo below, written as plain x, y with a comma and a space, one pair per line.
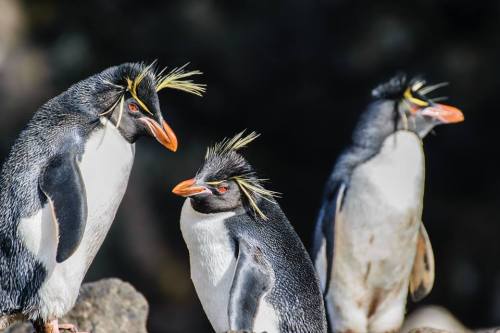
63, 181
370, 244
248, 266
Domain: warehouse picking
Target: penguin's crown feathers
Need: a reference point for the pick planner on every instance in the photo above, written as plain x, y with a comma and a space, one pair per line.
222, 163
412, 90
226, 146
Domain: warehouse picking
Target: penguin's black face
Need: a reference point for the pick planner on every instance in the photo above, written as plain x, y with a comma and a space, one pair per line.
413, 110
214, 188
134, 121
211, 196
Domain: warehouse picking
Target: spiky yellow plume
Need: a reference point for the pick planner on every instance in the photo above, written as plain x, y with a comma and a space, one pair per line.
237, 142
420, 87
252, 188
176, 79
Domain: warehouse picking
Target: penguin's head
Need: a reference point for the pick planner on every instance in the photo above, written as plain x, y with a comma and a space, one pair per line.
411, 108
226, 181
130, 94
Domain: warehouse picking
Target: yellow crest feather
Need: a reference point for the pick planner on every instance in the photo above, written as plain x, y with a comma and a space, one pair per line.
237, 142
409, 97
176, 79
251, 189
422, 89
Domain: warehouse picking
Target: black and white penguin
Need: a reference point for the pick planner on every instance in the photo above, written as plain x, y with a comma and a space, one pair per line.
249, 267
370, 245
63, 181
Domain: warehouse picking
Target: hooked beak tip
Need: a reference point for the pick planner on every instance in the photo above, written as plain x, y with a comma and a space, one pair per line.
171, 135
161, 132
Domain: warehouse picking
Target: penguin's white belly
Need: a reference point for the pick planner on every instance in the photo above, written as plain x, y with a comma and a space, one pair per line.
105, 167
213, 263
376, 233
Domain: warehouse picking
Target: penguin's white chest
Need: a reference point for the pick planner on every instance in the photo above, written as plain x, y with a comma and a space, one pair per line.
212, 261
383, 203
105, 167
376, 233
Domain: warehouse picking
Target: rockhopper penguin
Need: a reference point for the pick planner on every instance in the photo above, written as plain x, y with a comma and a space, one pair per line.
370, 245
63, 181
249, 267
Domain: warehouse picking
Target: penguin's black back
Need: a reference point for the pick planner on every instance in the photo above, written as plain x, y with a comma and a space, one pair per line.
296, 293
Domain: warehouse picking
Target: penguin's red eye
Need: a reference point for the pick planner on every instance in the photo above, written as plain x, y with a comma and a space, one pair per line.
414, 108
222, 189
133, 107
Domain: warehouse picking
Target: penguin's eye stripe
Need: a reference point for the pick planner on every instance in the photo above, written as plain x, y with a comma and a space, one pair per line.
419, 102
215, 182
133, 107
409, 97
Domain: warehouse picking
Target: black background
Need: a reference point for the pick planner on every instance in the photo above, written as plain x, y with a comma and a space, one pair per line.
300, 73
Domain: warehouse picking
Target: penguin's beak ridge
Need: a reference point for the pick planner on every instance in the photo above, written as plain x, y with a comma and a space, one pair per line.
189, 188
161, 132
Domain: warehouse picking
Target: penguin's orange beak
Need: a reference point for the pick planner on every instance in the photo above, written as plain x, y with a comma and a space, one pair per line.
189, 188
444, 113
161, 132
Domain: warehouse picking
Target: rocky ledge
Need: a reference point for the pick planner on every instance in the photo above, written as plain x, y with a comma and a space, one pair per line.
105, 306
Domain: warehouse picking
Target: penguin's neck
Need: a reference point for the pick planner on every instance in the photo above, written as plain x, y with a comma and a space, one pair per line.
376, 124
207, 239
96, 93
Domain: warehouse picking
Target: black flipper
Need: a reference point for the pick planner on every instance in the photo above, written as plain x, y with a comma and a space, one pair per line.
252, 279
62, 183
325, 230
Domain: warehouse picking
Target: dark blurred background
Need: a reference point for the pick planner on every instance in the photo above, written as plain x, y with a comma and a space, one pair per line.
299, 72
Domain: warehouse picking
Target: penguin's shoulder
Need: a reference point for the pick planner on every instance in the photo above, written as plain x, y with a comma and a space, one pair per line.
275, 237
53, 130
44, 137
348, 161
248, 224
